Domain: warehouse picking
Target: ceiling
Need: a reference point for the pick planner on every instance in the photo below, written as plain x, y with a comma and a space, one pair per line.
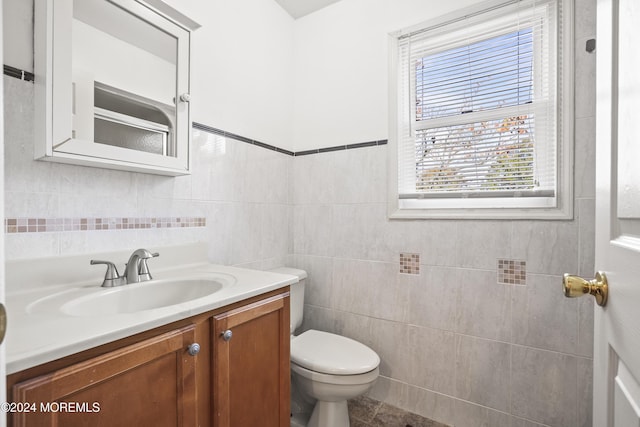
299, 8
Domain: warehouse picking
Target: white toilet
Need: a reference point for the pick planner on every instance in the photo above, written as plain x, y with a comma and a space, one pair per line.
327, 367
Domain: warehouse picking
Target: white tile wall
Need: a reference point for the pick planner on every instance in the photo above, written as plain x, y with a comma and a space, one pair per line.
433, 297
483, 372
544, 386
241, 190
522, 354
351, 251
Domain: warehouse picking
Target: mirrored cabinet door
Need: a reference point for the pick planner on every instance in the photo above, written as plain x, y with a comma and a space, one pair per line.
112, 84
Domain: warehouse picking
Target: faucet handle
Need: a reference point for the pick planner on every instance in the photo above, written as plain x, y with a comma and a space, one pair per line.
111, 277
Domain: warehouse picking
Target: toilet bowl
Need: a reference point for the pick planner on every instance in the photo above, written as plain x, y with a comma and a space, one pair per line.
326, 367
331, 369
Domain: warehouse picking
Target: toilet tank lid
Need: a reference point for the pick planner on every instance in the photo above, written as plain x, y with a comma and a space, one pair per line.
292, 271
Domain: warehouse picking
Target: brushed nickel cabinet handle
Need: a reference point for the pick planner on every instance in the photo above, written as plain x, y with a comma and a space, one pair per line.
194, 349
226, 335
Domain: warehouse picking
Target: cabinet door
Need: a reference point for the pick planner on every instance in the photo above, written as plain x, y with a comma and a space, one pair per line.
251, 367
144, 61
151, 383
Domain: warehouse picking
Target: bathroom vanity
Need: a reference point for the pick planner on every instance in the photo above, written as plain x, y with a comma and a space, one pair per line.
217, 360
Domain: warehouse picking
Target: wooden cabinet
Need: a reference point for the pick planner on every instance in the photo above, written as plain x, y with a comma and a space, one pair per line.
151, 379
150, 383
251, 365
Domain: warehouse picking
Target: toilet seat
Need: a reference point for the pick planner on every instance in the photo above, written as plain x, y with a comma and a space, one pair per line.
343, 380
331, 354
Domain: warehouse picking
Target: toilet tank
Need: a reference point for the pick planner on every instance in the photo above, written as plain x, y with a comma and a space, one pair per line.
296, 298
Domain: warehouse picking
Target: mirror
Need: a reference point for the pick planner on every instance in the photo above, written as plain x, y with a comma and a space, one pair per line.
132, 108
112, 84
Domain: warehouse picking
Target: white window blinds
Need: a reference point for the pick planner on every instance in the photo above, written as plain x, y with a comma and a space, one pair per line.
478, 105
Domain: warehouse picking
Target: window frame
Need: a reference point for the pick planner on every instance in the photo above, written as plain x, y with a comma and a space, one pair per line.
560, 206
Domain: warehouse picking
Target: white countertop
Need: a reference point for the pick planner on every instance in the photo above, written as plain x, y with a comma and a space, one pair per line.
42, 335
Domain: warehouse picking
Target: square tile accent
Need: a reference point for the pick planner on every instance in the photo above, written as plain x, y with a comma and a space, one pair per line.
409, 263
512, 272
44, 225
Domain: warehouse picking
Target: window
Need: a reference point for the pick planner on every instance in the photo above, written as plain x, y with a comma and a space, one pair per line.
482, 121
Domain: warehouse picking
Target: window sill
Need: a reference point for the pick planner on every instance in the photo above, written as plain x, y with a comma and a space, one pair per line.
537, 209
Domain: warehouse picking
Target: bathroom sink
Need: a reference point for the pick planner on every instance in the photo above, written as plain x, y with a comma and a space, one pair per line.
93, 300
144, 296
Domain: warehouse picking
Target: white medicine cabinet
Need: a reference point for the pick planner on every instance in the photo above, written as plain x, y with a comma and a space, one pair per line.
112, 84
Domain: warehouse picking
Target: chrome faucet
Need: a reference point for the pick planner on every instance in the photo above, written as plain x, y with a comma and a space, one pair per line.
136, 270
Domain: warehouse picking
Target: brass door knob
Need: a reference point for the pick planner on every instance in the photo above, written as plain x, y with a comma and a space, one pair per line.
575, 286
3, 322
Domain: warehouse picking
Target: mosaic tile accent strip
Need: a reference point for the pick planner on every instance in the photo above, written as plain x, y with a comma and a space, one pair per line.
47, 225
512, 272
410, 263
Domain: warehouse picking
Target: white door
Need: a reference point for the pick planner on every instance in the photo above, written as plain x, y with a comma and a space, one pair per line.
617, 325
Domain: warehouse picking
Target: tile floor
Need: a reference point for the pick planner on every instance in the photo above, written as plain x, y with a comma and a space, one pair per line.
367, 412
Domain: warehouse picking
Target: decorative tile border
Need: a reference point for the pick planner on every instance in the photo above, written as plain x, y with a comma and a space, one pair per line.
341, 147
18, 73
46, 225
226, 134
409, 263
28, 76
512, 272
